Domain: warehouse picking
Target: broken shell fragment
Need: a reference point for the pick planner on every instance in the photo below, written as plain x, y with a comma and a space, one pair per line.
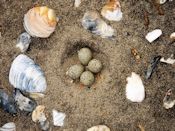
112, 11
40, 21
84, 55
24, 103
135, 90
75, 71
172, 36
168, 61
92, 22
168, 101
7, 102
152, 66
23, 41
95, 66
8, 127
87, 78
58, 118
161, 1
99, 128
26, 75
44, 125
36, 95
38, 114
77, 3
153, 35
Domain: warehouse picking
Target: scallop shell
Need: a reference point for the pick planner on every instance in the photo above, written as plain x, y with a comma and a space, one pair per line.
99, 128
26, 75
58, 118
112, 11
40, 21
92, 22
135, 90
8, 127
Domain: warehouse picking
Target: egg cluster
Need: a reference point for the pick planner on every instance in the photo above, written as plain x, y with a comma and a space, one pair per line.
85, 71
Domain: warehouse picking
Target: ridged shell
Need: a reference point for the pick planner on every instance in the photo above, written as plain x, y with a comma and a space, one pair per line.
26, 75
40, 22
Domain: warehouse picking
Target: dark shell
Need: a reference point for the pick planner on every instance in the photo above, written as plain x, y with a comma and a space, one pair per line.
7, 102
24, 103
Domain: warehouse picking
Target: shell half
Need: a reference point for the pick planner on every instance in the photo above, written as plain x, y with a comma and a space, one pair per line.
40, 21
26, 75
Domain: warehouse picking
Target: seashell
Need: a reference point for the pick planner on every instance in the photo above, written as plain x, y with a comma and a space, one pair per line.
23, 41
77, 3
40, 21
36, 95
161, 1
8, 127
135, 91
44, 125
87, 78
112, 11
99, 128
58, 118
24, 103
172, 36
26, 75
153, 35
7, 102
95, 66
168, 61
152, 66
84, 55
38, 114
168, 101
75, 71
92, 22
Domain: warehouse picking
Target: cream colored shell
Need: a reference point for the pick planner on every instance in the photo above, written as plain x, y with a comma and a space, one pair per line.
99, 128
40, 21
38, 114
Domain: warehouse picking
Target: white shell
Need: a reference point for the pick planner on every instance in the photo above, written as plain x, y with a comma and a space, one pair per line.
135, 91
58, 118
172, 36
99, 128
168, 61
77, 3
91, 21
23, 41
37, 25
8, 127
153, 35
38, 114
162, 1
26, 75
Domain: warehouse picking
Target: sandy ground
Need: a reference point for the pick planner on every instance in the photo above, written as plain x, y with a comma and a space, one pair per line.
105, 102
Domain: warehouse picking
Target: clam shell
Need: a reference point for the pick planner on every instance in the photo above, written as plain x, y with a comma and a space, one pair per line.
7, 102
135, 90
8, 127
26, 75
92, 22
112, 11
99, 128
58, 118
24, 103
40, 22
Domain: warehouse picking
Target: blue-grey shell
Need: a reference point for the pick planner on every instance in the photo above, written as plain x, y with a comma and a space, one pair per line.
26, 75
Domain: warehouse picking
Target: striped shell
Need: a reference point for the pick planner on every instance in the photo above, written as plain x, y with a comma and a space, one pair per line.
26, 75
40, 21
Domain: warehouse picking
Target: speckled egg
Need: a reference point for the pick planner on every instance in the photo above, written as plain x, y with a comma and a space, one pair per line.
87, 78
75, 71
95, 66
84, 55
